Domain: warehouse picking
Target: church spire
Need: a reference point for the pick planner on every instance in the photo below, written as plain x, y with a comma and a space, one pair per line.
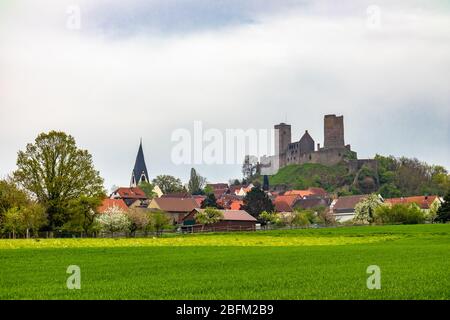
139, 173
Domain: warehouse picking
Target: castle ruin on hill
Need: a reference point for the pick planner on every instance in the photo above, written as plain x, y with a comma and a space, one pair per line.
333, 152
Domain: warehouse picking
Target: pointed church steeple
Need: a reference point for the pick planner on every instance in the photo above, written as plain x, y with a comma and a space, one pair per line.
139, 173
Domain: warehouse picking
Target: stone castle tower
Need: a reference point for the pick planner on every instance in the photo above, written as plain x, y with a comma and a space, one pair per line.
333, 131
333, 152
282, 141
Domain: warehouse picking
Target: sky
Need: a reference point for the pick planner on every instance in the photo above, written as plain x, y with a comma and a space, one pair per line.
112, 72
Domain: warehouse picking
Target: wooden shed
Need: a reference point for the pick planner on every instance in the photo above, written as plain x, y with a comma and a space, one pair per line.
233, 220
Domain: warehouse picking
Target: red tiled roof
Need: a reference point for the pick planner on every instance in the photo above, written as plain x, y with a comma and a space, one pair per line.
131, 193
199, 199
233, 215
348, 202
424, 202
308, 192
177, 204
109, 203
284, 203
216, 186
236, 204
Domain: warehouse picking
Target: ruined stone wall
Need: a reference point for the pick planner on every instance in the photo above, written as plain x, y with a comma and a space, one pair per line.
328, 157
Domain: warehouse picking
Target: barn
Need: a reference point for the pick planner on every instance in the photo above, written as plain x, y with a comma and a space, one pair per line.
233, 220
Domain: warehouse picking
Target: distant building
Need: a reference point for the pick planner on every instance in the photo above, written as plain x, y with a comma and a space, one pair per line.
111, 203
176, 208
425, 203
334, 150
343, 208
233, 220
139, 173
129, 195
284, 203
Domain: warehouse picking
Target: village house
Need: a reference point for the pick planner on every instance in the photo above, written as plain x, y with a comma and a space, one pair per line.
284, 203
311, 203
176, 208
425, 203
310, 192
130, 195
108, 203
232, 220
343, 208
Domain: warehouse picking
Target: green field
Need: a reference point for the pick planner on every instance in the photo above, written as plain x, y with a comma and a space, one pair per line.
292, 264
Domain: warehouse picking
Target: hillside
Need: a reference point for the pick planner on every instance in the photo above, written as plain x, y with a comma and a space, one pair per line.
395, 178
333, 179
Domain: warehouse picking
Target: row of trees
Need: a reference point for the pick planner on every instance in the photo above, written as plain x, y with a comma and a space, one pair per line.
400, 177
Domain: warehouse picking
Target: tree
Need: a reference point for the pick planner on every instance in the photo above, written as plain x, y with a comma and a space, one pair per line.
82, 214
208, 190
208, 216
196, 182
138, 220
159, 221
365, 209
257, 201
267, 218
443, 213
148, 189
33, 218
55, 172
13, 221
113, 220
168, 184
11, 196
210, 201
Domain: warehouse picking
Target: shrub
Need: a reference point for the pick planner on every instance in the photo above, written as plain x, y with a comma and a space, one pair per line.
399, 214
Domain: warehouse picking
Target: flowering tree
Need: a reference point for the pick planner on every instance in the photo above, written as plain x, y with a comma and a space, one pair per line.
113, 220
365, 209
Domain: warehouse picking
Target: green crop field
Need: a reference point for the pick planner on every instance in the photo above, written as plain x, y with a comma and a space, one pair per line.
290, 264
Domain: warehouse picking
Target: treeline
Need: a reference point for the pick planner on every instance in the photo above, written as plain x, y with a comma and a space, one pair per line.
408, 177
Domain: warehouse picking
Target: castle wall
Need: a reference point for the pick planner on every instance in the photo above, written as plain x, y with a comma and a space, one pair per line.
328, 157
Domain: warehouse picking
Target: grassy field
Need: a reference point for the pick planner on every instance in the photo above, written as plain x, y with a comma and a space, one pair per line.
292, 264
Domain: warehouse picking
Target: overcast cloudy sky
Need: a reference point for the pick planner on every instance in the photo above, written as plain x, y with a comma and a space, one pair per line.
145, 68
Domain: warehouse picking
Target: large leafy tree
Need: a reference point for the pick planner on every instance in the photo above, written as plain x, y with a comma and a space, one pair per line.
196, 182
168, 184
443, 213
257, 201
55, 171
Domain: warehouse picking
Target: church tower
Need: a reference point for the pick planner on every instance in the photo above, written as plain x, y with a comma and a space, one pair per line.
139, 173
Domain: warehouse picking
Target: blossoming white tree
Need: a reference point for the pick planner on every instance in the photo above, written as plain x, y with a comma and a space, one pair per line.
113, 220
365, 209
